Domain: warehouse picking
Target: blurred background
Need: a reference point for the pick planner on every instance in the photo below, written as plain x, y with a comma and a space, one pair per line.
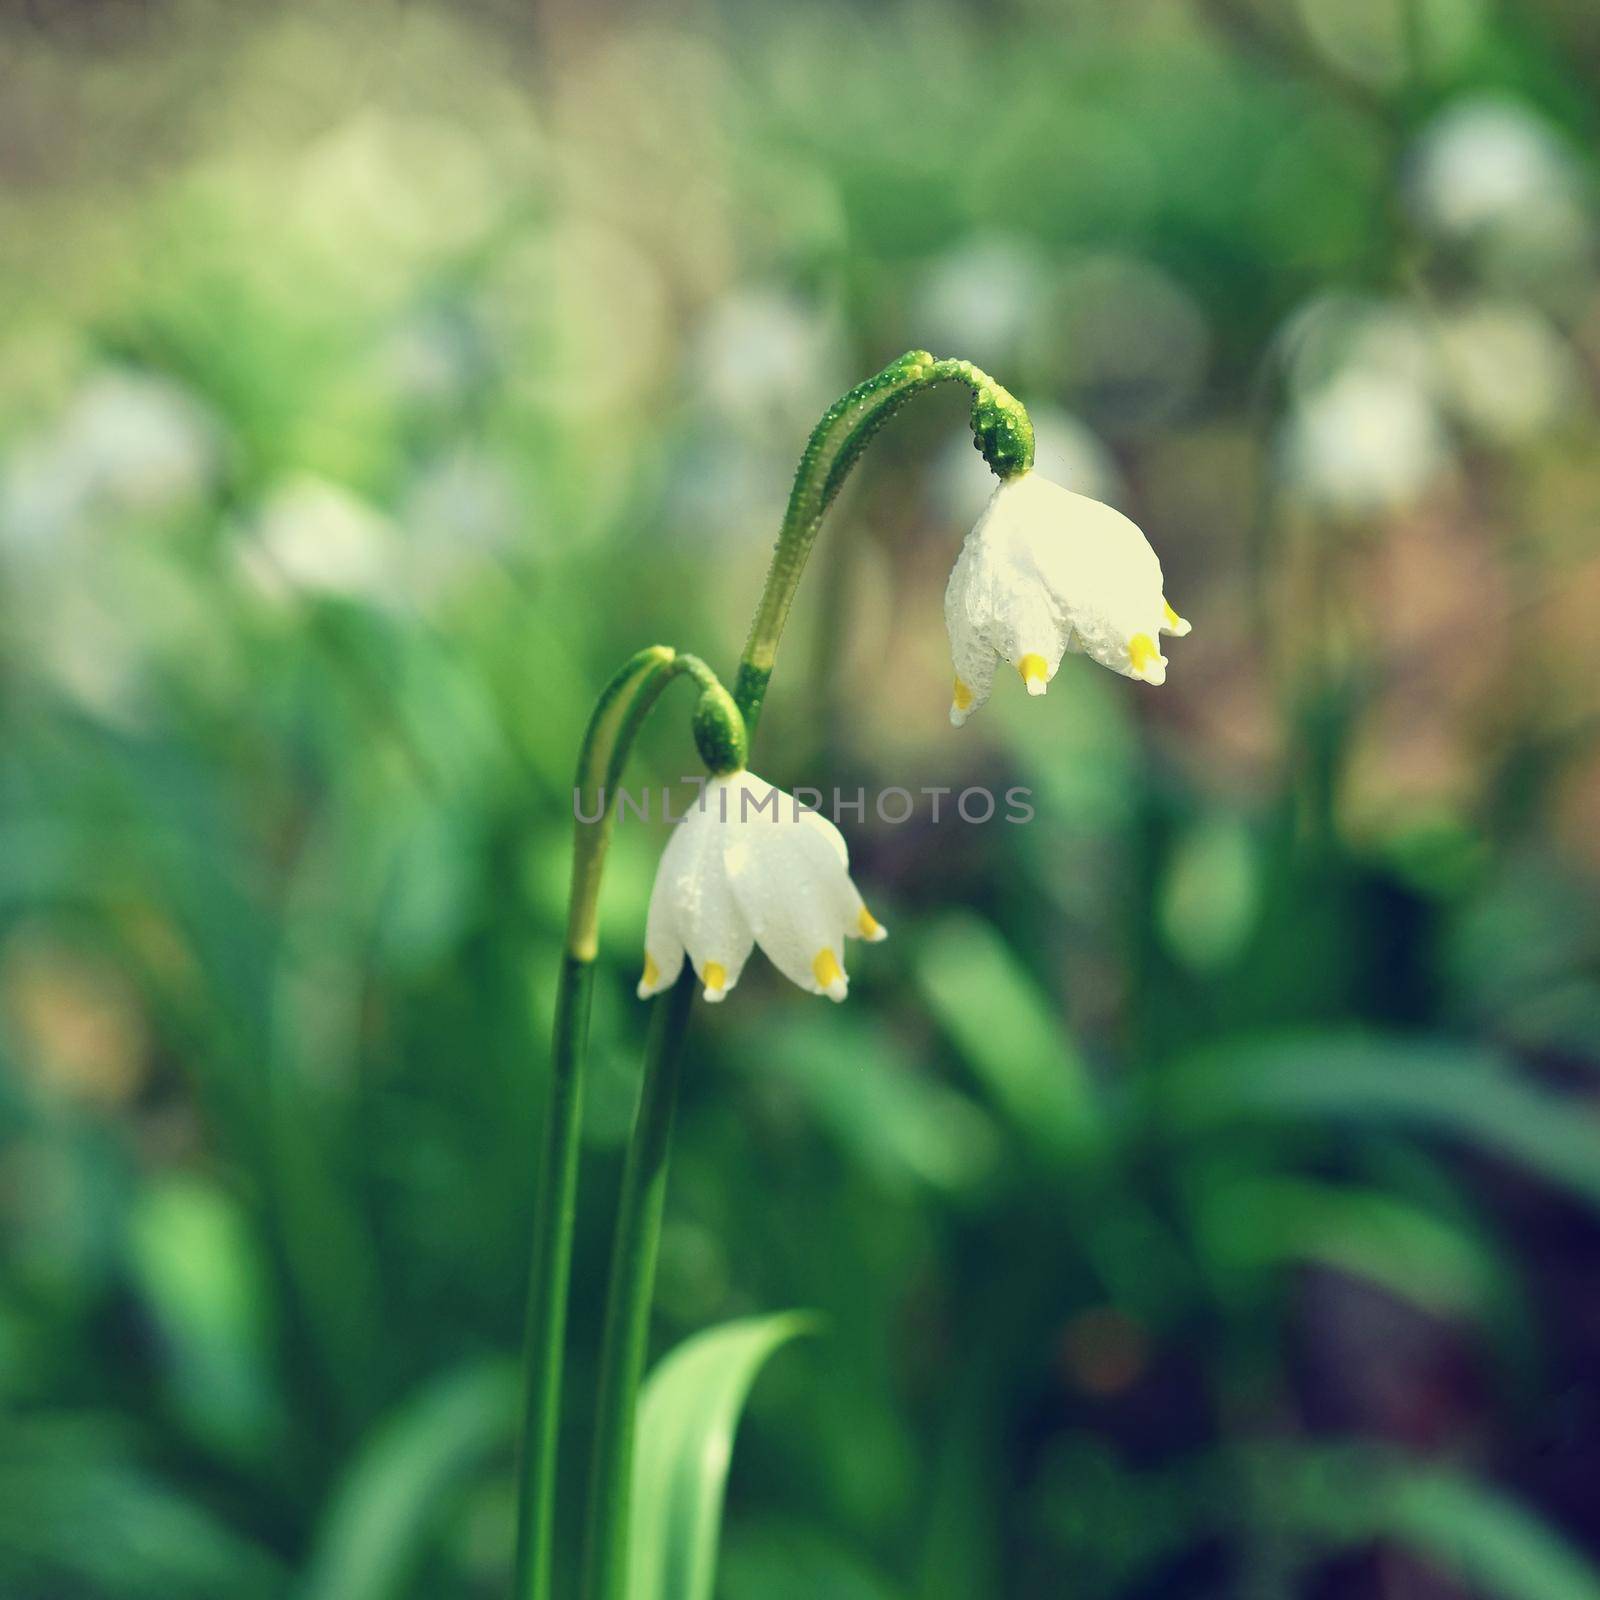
1202, 1187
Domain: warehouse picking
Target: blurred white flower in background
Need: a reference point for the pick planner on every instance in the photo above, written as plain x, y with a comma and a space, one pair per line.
128, 443
316, 537
1496, 179
1333, 334
983, 299
1366, 441
459, 514
1375, 386
79, 498
41, 502
1485, 162
1363, 433
765, 365
143, 443
382, 190
1505, 371
763, 359
435, 357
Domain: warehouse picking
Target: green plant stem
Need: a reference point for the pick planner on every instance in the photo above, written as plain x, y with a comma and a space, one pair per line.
618, 714
554, 1208
1001, 430
626, 1335
1004, 434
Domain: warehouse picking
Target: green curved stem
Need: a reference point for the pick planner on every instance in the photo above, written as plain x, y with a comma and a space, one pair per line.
618, 714
1004, 434
1001, 430
626, 1337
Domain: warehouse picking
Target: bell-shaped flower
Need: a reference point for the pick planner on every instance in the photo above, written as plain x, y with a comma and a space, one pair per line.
748, 865
1044, 572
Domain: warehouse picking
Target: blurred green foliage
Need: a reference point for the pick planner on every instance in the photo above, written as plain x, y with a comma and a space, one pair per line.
1199, 1190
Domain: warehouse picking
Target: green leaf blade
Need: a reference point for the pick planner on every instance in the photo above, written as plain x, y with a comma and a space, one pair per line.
688, 1413
386, 1509
1462, 1092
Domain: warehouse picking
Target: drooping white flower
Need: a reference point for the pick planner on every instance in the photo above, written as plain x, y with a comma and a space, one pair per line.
748, 865
1046, 571
1366, 441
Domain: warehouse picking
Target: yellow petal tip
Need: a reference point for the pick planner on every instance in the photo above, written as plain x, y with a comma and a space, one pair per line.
961, 697
872, 930
715, 977
829, 974
1145, 660
1172, 623
1035, 672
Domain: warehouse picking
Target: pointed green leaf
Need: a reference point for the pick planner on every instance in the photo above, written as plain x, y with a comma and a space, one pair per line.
687, 1416
1463, 1092
1470, 1529
386, 1508
1252, 1222
1009, 1033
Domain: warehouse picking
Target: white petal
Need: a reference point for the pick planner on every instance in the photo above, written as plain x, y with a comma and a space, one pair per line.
969, 693
1099, 570
859, 922
972, 656
657, 977
1030, 634
822, 826
748, 863
663, 943
1144, 661
997, 605
796, 896
974, 599
692, 906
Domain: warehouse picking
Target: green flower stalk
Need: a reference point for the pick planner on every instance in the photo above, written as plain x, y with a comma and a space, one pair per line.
1041, 575
746, 864
1001, 430
614, 724
626, 1337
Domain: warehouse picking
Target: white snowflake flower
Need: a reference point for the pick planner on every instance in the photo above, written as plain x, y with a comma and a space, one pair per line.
748, 865
1046, 571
